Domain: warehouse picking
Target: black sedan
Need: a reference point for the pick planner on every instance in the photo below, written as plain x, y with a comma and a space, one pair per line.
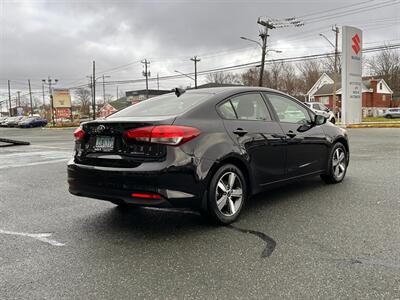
206, 149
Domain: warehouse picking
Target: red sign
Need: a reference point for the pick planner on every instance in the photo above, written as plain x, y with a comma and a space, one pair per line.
63, 113
356, 44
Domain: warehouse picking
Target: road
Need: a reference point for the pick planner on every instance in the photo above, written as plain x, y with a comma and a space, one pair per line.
306, 240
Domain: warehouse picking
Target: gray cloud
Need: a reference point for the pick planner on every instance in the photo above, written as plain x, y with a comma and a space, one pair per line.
61, 38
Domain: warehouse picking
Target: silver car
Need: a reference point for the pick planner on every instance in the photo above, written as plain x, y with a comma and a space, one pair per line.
322, 110
392, 113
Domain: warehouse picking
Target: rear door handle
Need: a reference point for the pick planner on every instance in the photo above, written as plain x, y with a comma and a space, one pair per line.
291, 134
240, 131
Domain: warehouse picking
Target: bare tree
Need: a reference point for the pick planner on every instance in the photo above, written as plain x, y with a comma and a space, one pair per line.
289, 81
223, 78
250, 77
109, 98
83, 98
275, 75
328, 64
310, 72
386, 65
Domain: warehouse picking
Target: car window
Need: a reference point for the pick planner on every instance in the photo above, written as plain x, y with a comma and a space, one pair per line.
226, 110
165, 105
250, 107
288, 110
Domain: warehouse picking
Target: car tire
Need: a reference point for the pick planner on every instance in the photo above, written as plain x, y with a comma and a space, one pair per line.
227, 194
388, 116
337, 164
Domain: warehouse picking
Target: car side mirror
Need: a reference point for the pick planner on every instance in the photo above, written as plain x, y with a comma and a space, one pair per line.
319, 119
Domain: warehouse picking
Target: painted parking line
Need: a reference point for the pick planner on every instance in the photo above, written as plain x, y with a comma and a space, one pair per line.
43, 237
32, 158
34, 163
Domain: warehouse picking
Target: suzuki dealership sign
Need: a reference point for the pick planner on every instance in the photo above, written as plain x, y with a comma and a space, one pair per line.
351, 75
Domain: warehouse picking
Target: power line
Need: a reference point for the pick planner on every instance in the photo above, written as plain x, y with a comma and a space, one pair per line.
349, 12
254, 64
334, 9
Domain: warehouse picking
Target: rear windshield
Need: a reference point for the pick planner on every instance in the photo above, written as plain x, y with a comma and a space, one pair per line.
165, 105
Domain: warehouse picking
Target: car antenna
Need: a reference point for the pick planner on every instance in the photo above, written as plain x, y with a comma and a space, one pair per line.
178, 91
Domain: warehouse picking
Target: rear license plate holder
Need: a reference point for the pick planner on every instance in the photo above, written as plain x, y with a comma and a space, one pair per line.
104, 143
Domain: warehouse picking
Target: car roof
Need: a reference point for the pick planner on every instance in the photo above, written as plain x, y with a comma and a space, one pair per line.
238, 89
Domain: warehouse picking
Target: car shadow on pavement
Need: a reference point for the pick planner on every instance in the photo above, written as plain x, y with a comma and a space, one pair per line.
163, 222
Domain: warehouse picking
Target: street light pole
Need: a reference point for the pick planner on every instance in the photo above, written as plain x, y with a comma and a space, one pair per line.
336, 30
30, 96
9, 98
335, 71
44, 107
264, 52
49, 83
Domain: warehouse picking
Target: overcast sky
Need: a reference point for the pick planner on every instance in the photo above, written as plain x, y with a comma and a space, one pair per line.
62, 38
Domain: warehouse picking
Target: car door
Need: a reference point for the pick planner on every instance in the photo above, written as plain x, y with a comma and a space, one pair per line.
260, 138
306, 144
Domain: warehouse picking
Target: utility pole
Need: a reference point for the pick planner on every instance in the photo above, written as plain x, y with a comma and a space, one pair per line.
264, 36
44, 105
336, 30
19, 98
117, 92
104, 92
146, 74
195, 60
94, 90
30, 96
158, 82
49, 83
9, 98
271, 24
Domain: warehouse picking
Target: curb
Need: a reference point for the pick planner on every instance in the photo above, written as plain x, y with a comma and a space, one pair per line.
59, 128
380, 125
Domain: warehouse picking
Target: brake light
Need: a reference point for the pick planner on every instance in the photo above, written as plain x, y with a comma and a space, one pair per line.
163, 134
146, 196
79, 133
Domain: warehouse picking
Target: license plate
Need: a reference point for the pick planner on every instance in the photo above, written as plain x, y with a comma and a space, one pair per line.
104, 143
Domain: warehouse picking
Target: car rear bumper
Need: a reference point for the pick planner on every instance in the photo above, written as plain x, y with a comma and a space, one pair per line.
178, 186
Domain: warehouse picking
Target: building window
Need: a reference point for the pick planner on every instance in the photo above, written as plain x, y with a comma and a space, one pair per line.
383, 97
325, 100
380, 87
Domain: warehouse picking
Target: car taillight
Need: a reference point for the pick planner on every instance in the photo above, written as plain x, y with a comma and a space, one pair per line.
79, 133
146, 196
163, 134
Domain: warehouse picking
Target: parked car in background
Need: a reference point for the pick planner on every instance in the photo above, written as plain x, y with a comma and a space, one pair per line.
32, 122
3, 120
13, 121
392, 113
208, 149
323, 110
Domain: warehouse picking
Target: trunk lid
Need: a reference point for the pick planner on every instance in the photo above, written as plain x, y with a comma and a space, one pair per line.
104, 143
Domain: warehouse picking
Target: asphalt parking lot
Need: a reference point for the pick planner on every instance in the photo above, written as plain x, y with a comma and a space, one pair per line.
306, 240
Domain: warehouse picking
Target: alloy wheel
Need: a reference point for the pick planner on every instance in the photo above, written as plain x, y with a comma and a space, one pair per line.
229, 194
339, 163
